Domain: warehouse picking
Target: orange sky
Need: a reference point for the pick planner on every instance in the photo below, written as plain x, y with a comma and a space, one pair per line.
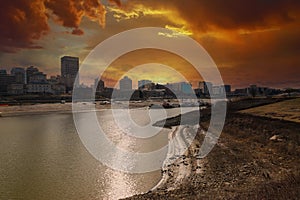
252, 42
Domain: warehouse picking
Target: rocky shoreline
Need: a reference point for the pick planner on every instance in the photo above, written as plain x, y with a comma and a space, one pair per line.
248, 162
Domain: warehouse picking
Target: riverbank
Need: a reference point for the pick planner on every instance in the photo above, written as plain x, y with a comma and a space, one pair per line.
255, 158
48, 108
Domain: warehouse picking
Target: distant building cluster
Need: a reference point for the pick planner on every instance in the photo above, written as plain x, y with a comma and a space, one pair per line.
21, 81
254, 90
31, 81
148, 89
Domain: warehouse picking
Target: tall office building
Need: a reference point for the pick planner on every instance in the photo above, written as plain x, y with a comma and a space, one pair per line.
125, 84
69, 70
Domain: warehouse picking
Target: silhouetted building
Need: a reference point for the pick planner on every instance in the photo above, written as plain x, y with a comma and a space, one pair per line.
125, 84
37, 77
227, 89
39, 88
186, 88
29, 72
181, 88
144, 84
69, 70
56, 85
58, 89
54, 80
218, 90
19, 74
205, 87
5, 81
16, 89
252, 90
99, 85
241, 92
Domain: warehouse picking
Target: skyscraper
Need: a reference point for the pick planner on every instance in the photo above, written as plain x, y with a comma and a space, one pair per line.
69, 70
125, 84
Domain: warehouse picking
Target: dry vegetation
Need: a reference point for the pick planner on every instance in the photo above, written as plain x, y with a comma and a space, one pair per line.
285, 110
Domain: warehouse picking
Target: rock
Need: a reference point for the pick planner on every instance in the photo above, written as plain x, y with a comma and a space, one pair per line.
227, 183
276, 138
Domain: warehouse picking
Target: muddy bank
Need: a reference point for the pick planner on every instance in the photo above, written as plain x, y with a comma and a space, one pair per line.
50, 108
255, 158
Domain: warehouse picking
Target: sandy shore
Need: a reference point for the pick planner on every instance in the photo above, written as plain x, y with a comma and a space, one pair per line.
47, 108
255, 158
20, 110
8, 111
182, 159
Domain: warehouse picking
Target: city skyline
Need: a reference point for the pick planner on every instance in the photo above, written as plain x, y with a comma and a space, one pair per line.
135, 84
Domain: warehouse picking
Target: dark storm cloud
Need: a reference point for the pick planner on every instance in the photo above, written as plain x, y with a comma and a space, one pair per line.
23, 22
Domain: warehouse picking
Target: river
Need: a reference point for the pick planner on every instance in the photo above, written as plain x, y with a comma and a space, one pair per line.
42, 157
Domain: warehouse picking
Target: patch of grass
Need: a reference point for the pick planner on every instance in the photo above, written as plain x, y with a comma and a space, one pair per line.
286, 110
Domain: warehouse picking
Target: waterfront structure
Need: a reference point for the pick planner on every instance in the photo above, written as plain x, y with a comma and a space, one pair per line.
39, 88
125, 84
69, 71
16, 89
